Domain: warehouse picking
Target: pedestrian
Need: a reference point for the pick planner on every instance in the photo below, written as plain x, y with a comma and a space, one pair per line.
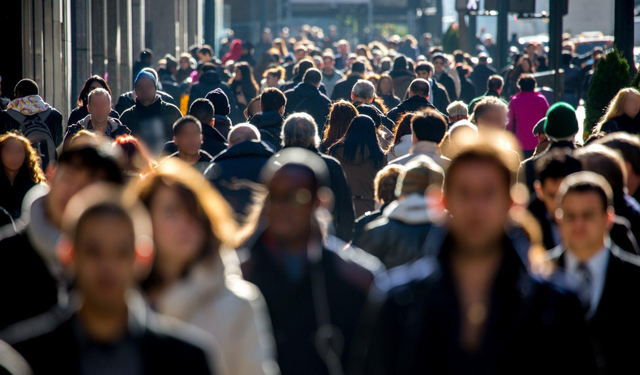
458, 111
629, 147
35, 119
98, 119
128, 99
440, 63
222, 110
341, 114
185, 69
623, 113
361, 157
151, 118
81, 111
385, 91
401, 75
437, 92
524, 66
20, 172
428, 130
314, 290
243, 85
195, 275
363, 95
235, 52
306, 97
269, 120
418, 100
490, 113
300, 130
187, 137
210, 81
402, 137
494, 86
525, 110
146, 59
342, 89
330, 75
108, 314
481, 72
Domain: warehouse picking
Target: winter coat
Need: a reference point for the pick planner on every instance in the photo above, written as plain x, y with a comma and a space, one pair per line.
116, 128
213, 143
397, 236
402, 148
53, 120
480, 76
307, 98
360, 173
363, 220
342, 89
215, 298
441, 99
236, 174
525, 110
269, 125
222, 124
427, 148
12, 195
81, 111
467, 89
126, 101
153, 124
391, 101
413, 104
622, 123
210, 81
448, 84
401, 80
345, 274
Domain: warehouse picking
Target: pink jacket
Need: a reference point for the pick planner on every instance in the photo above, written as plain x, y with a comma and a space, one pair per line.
525, 110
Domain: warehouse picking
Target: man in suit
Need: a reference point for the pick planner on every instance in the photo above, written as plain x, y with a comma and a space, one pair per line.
606, 278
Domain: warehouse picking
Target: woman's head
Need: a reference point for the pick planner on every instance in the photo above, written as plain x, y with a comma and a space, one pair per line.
626, 101
342, 112
362, 137
385, 85
526, 64
89, 85
191, 220
402, 128
16, 153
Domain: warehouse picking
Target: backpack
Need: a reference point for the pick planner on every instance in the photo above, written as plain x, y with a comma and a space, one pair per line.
35, 130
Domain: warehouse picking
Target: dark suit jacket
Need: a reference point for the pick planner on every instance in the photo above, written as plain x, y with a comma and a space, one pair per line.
615, 326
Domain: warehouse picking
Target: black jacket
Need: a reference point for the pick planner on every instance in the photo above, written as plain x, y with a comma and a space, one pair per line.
448, 84
532, 327
527, 166
467, 89
212, 142
413, 104
126, 101
623, 123
201, 165
342, 89
376, 115
210, 81
614, 326
236, 174
295, 81
440, 99
12, 195
293, 304
391, 101
81, 111
51, 345
307, 98
628, 208
480, 76
222, 125
363, 220
153, 123
270, 126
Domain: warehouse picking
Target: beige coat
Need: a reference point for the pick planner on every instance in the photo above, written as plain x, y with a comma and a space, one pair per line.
215, 298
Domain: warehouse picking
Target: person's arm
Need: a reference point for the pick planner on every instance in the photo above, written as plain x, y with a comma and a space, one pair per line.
511, 126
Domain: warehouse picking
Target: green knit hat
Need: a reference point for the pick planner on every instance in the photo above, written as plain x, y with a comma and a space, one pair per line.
561, 122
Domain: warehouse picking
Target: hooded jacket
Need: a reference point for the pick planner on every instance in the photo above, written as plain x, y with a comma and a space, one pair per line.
152, 123
305, 97
210, 81
401, 76
269, 125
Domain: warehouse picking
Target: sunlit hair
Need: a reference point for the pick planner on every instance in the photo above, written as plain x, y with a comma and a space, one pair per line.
485, 105
403, 128
384, 184
31, 160
342, 112
84, 137
616, 106
86, 89
384, 77
136, 156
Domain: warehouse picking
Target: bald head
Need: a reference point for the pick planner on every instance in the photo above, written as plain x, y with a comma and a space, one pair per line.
241, 133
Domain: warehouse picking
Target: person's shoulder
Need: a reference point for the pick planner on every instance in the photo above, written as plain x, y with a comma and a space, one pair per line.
171, 107
175, 334
408, 276
353, 261
630, 261
35, 330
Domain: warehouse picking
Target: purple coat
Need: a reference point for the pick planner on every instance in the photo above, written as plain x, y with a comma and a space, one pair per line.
525, 110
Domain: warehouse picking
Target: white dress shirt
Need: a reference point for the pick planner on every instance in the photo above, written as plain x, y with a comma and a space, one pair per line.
597, 266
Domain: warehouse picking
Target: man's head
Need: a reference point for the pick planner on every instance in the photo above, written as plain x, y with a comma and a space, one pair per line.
104, 260
203, 110
420, 174
526, 83
629, 147
273, 99
146, 85
313, 77
551, 168
483, 58
419, 87
205, 53
385, 183
424, 70
343, 47
477, 196
429, 126
495, 83
585, 213
457, 111
300, 52
99, 105
26, 87
328, 60
241, 133
363, 92
491, 113
605, 162
187, 135
146, 56
439, 62
300, 130
77, 168
357, 68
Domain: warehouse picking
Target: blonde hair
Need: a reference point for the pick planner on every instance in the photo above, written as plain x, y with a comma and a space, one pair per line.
31, 158
616, 106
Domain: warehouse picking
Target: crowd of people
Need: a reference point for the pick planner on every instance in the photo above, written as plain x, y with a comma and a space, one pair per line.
396, 210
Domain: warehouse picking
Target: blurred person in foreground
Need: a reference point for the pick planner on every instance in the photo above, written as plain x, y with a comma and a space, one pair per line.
470, 305
428, 130
605, 277
187, 136
195, 276
315, 290
107, 327
31, 276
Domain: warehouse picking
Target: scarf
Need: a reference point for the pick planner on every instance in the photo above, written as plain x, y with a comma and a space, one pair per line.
29, 105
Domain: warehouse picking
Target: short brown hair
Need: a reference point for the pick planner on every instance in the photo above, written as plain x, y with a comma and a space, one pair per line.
584, 182
385, 183
481, 152
272, 99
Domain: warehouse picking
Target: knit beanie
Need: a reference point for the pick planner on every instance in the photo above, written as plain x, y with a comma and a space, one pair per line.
220, 102
145, 74
561, 122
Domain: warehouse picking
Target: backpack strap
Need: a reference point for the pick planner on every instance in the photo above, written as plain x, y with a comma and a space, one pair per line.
19, 117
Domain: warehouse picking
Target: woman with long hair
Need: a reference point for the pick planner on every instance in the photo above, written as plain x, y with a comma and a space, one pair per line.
622, 113
385, 91
402, 137
243, 85
524, 66
20, 172
361, 157
341, 115
196, 274
81, 111
136, 159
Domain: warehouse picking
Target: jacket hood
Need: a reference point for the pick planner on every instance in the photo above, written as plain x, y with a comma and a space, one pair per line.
210, 78
222, 120
29, 105
412, 210
267, 119
212, 134
399, 64
235, 51
246, 148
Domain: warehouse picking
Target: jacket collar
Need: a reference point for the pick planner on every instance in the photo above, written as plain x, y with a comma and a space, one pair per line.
412, 210
425, 148
246, 148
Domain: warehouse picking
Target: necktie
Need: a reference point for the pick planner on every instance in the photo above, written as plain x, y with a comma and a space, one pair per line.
584, 288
